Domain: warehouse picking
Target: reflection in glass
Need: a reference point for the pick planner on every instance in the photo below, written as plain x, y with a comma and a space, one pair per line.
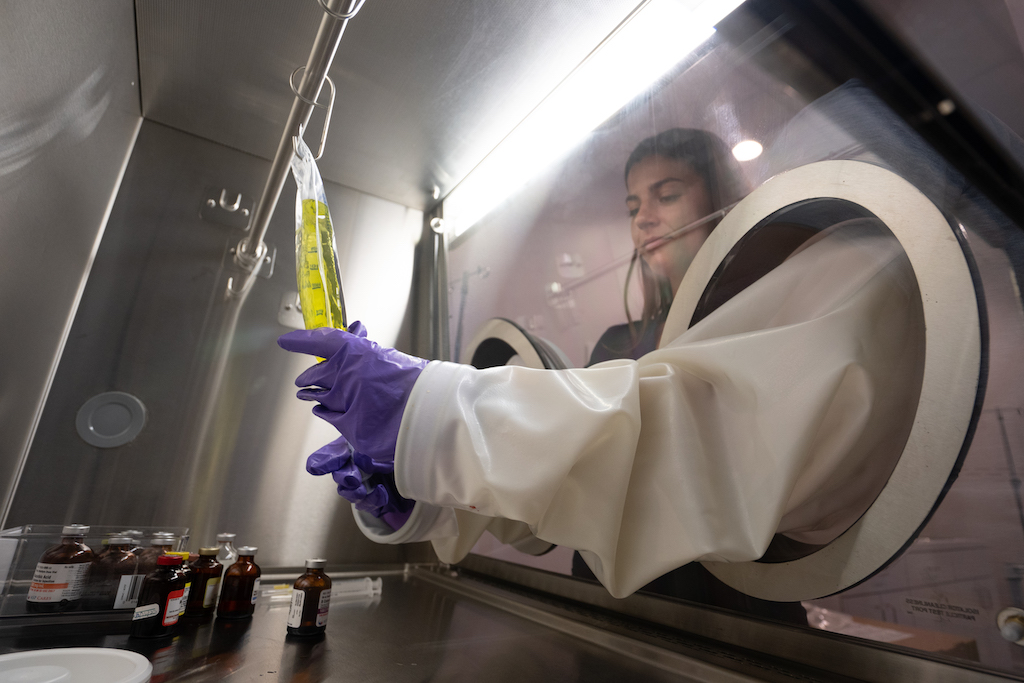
568, 263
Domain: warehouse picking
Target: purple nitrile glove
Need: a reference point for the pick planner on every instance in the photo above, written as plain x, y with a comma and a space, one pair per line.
362, 387
373, 492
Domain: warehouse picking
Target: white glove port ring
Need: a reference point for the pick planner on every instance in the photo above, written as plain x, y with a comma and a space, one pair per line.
954, 377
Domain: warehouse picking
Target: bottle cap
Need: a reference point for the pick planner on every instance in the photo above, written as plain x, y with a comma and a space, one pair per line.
207, 552
164, 534
168, 561
119, 540
75, 530
225, 537
316, 564
247, 550
177, 553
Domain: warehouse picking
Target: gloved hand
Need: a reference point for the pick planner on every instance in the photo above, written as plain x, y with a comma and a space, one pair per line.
362, 387
373, 492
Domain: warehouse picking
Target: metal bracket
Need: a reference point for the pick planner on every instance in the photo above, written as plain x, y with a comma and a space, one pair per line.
226, 207
262, 265
266, 268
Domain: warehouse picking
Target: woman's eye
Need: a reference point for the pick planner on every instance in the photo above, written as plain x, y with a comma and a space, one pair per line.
634, 212
669, 198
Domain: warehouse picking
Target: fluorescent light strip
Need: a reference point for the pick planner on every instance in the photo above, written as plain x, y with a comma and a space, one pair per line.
656, 38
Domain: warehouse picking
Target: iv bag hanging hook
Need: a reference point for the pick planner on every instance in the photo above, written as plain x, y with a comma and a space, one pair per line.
329, 106
332, 27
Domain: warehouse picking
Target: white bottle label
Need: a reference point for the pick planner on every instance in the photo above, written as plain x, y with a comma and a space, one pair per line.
56, 582
295, 612
323, 607
210, 596
173, 609
256, 590
128, 591
184, 598
146, 611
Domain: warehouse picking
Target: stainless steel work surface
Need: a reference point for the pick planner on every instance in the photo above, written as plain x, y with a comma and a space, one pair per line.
423, 627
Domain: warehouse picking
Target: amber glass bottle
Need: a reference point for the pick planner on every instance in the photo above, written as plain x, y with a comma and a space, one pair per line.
61, 573
240, 587
311, 599
160, 600
112, 577
186, 571
154, 548
202, 600
136, 537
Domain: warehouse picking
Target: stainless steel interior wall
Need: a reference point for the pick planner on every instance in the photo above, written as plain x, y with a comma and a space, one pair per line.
69, 112
425, 89
225, 442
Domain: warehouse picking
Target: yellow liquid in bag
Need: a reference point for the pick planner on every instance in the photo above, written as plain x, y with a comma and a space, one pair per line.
316, 265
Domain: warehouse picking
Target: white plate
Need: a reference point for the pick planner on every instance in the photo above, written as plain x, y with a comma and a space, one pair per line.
75, 665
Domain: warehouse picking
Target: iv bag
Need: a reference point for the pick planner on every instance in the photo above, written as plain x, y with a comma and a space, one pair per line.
316, 256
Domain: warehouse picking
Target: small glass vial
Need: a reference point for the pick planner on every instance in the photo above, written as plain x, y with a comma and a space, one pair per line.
136, 537
311, 599
241, 586
188, 574
162, 542
226, 552
160, 600
207, 571
112, 577
60, 576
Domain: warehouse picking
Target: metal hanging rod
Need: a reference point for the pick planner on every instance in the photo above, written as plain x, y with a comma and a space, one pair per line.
250, 251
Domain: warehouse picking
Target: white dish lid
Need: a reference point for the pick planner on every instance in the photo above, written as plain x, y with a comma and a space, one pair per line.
75, 665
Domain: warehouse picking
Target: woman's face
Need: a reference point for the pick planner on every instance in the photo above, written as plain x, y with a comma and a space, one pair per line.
664, 195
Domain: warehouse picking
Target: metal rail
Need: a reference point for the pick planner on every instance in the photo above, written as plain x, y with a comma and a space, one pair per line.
250, 251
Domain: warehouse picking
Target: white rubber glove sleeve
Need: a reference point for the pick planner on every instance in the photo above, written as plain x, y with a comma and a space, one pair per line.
703, 449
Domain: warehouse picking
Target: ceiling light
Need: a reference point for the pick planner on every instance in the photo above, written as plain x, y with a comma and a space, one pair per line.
641, 50
747, 150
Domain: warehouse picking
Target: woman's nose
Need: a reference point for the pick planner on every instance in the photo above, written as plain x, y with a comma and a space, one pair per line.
646, 218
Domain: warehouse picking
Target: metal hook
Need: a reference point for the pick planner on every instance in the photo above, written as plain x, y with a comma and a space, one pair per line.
224, 201
342, 15
329, 106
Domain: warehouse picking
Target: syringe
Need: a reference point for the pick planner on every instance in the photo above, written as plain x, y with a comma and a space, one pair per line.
354, 589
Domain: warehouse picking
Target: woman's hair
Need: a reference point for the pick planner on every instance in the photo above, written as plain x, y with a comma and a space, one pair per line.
710, 159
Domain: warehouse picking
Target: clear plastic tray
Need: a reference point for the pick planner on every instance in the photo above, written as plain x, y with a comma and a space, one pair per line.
21, 548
